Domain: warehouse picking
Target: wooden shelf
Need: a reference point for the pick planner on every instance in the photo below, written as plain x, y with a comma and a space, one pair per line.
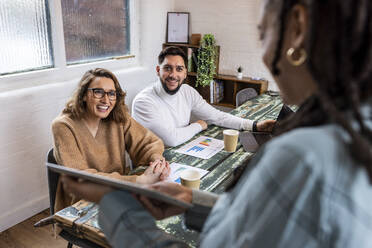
242, 80
180, 45
224, 104
262, 84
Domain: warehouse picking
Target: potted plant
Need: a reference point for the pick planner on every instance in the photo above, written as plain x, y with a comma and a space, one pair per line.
206, 67
240, 72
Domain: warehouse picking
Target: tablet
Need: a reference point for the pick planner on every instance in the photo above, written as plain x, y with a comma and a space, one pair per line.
251, 141
119, 184
285, 111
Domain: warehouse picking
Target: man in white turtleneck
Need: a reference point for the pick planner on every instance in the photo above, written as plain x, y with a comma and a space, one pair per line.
165, 107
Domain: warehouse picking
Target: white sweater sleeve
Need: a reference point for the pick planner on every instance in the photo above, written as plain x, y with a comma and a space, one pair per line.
204, 111
148, 115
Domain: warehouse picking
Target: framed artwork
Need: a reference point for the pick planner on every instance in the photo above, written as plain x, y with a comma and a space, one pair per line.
178, 27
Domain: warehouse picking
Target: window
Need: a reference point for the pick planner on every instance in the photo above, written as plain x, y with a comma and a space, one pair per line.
24, 36
90, 30
95, 29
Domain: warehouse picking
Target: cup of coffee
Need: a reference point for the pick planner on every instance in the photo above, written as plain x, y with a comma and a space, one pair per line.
230, 139
190, 179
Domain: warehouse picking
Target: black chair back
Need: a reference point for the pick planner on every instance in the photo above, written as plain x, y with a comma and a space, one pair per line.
244, 95
52, 181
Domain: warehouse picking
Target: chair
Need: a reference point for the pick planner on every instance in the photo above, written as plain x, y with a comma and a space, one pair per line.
244, 95
52, 183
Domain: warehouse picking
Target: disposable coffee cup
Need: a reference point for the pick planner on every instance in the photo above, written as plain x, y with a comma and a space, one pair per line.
190, 179
230, 139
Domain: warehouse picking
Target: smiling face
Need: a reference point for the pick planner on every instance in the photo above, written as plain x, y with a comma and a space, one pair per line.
172, 72
98, 109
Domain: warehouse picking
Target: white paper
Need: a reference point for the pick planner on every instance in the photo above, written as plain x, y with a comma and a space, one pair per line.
203, 147
177, 168
178, 27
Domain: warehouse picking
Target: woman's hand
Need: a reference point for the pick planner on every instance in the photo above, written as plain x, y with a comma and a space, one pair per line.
158, 170
266, 126
165, 167
161, 210
84, 190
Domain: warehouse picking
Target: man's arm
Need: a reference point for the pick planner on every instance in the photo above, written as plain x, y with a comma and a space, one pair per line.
149, 116
205, 111
202, 110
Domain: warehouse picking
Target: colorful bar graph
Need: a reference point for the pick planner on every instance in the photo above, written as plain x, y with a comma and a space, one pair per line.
196, 149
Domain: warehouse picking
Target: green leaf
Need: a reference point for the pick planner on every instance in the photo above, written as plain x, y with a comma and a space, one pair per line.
206, 60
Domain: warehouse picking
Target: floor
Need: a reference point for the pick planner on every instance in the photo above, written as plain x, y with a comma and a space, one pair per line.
24, 235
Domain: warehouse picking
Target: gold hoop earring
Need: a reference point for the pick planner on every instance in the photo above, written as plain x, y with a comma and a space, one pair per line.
300, 60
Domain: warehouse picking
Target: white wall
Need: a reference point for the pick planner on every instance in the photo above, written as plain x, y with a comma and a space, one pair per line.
28, 106
234, 25
26, 115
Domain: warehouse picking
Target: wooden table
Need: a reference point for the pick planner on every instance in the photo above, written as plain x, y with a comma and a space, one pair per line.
221, 167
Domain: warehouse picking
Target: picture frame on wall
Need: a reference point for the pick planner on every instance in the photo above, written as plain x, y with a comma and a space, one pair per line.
178, 27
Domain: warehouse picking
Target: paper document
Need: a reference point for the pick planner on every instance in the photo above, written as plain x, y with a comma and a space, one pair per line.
203, 147
176, 170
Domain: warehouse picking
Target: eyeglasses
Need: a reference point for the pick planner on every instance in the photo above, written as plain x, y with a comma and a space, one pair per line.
100, 93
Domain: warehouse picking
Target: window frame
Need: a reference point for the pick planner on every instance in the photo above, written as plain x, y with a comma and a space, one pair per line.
61, 71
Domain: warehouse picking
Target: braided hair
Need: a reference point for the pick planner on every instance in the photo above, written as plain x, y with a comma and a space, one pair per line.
339, 49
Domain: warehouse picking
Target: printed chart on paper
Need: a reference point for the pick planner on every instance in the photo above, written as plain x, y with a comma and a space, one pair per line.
203, 147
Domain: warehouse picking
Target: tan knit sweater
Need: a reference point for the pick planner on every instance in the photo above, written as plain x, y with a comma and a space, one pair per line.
75, 147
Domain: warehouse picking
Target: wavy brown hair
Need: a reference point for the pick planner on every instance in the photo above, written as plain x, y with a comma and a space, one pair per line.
76, 106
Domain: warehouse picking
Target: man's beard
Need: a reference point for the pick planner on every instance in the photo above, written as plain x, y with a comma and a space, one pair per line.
170, 92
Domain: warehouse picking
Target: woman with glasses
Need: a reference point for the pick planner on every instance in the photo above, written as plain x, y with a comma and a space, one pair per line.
94, 131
